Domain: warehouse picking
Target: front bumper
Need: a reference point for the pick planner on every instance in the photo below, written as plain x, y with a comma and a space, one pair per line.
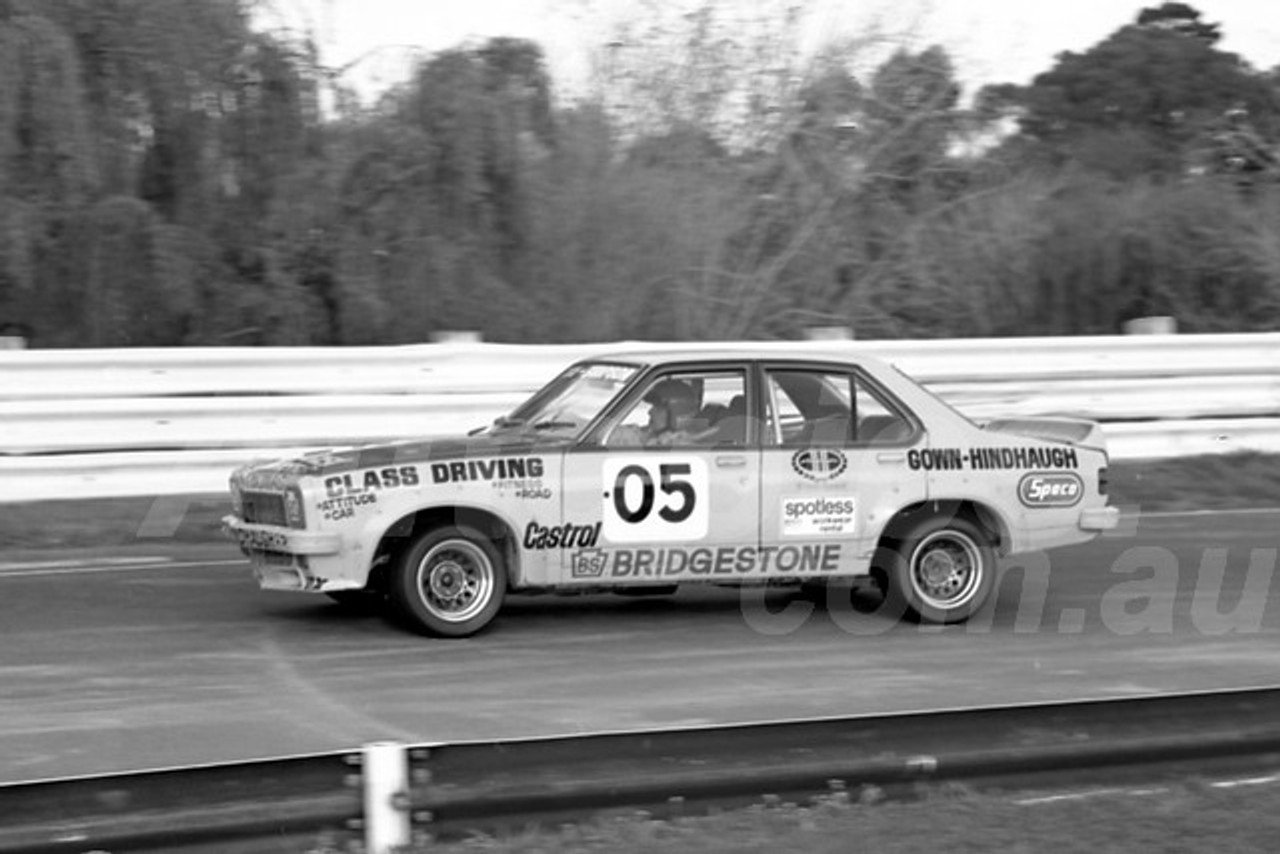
269, 538
289, 559
1099, 518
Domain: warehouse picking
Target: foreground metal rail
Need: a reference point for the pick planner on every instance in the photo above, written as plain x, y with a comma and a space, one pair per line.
289, 804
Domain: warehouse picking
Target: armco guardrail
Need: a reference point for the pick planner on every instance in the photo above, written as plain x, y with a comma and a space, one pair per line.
443, 368
66, 416
108, 424
122, 474
391, 794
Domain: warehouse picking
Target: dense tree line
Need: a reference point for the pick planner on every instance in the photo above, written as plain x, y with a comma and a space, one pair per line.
170, 176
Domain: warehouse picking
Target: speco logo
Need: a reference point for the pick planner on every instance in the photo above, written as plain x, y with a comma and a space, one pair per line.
819, 463
1051, 489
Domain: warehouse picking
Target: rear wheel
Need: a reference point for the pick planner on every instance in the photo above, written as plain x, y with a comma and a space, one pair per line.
450, 582
943, 571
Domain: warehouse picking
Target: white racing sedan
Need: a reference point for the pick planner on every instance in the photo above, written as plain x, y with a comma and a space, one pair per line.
643, 471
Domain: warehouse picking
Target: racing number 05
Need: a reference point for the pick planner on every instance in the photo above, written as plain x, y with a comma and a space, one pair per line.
673, 479
655, 500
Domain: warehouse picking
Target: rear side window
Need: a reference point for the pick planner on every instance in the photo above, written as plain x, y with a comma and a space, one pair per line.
817, 407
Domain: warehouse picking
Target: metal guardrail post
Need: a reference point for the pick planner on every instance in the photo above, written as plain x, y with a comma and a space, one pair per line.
386, 797
509, 785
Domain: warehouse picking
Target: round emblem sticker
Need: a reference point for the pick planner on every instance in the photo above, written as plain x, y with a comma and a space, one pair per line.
819, 463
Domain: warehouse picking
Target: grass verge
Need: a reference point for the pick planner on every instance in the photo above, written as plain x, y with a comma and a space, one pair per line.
1183, 817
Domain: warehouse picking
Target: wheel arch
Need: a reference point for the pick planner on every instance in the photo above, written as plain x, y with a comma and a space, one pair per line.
395, 538
980, 513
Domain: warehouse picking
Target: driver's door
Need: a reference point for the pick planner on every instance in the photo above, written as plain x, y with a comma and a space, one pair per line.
671, 513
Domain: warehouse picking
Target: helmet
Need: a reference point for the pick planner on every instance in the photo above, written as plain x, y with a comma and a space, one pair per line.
678, 397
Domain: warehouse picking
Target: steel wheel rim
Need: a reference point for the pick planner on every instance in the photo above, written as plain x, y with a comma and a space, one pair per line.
455, 580
946, 569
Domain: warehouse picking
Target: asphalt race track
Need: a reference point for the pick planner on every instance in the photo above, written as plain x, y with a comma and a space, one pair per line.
163, 655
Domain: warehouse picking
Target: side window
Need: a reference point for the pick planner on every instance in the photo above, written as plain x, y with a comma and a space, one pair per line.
810, 408
686, 408
807, 408
880, 422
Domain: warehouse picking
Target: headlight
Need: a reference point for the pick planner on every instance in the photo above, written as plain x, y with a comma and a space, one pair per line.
293, 512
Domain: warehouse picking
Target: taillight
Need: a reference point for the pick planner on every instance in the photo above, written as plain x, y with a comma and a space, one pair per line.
1102, 480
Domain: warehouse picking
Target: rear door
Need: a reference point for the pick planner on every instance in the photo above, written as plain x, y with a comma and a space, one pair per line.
833, 467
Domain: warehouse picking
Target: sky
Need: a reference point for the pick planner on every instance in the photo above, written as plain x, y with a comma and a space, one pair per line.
989, 40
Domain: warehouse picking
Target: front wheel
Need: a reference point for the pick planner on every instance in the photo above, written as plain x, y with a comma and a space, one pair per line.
943, 571
450, 582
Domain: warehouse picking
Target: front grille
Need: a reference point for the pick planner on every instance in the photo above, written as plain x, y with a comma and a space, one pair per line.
264, 508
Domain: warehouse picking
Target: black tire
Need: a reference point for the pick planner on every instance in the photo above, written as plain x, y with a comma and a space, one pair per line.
450, 582
942, 571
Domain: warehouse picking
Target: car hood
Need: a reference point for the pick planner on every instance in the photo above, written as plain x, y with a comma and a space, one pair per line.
338, 461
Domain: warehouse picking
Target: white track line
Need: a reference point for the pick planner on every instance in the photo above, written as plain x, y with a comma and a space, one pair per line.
61, 564
1088, 795
1069, 797
1181, 514
88, 568
1247, 781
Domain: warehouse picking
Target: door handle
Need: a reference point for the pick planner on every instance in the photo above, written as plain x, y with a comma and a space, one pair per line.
731, 462
890, 457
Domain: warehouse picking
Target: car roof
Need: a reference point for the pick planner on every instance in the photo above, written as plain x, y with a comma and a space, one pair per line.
802, 351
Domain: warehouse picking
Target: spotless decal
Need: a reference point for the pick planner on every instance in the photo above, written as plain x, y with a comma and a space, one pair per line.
822, 515
819, 464
659, 498
1051, 489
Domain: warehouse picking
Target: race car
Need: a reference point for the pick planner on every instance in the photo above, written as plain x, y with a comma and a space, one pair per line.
639, 472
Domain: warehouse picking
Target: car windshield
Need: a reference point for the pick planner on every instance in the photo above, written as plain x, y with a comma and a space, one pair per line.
567, 404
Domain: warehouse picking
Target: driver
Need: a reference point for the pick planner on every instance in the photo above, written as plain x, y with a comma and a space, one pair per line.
672, 406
